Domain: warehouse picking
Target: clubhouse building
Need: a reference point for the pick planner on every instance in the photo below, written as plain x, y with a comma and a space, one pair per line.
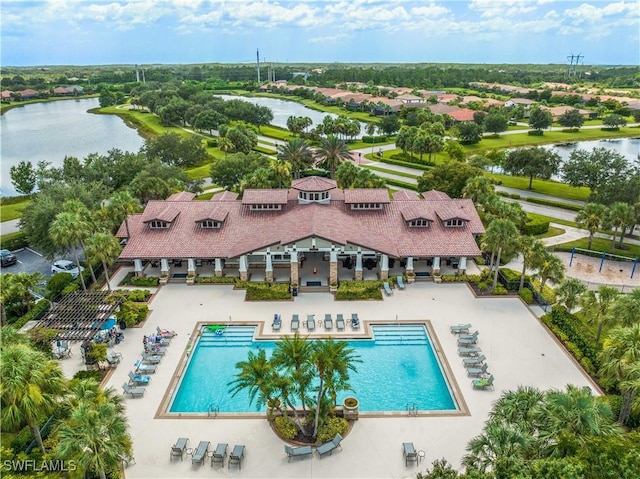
313, 230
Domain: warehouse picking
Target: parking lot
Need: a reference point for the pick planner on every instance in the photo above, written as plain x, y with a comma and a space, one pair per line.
30, 261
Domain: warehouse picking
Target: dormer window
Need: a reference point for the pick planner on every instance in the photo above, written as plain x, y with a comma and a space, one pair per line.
265, 207
313, 196
366, 206
419, 223
210, 224
454, 223
157, 224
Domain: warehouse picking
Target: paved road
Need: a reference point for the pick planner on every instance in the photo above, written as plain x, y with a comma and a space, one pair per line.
533, 194
7, 227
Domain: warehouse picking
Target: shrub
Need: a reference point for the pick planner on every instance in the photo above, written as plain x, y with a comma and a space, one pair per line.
401, 184
70, 288
350, 290
526, 295
556, 204
374, 139
285, 429
535, 133
57, 283
144, 280
212, 143
333, 426
415, 166
132, 313
216, 279
514, 196
139, 295
267, 291
22, 440
98, 352
500, 289
480, 261
535, 227
14, 241
80, 375
482, 286
36, 313
548, 294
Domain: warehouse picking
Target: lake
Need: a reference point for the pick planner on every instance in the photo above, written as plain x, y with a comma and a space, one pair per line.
50, 131
627, 147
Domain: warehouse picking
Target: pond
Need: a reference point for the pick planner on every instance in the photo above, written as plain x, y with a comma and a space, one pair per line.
50, 131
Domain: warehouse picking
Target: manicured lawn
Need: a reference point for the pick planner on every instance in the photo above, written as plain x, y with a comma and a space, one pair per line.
275, 132
552, 219
553, 231
602, 245
263, 150
12, 211
546, 187
146, 123
391, 172
199, 172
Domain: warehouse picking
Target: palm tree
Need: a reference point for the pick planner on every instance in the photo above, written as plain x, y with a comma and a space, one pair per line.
333, 360
596, 307
30, 388
569, 292
517, 407
95, 436
550, 268
86, 218
591, 218
297, 152
478, 188
292, 354
529, 247
619, 361
256, 375
500, 234
332, 152
105, 248
626, 308
619, 216
66, 230
122, 204
568, 419
498, 442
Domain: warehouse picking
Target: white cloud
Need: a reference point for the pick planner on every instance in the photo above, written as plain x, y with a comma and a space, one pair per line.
590, 14
502, 8
329, 39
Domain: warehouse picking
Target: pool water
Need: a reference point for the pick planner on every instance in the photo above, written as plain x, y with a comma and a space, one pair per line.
398, 369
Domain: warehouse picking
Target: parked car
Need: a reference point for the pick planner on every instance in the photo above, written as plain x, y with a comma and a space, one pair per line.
65, 266
8, 258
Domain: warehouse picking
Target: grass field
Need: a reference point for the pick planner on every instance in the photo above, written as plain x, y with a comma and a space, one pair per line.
603, 245
553, 231
12, 211
546, 187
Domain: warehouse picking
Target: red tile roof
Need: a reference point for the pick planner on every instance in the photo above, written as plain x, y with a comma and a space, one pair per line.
167, 213
417, 210
265, 197
462, 114
182, 196
435, 195
244, 231
406, 195
314, 183
225, 196
216, 213
366, 195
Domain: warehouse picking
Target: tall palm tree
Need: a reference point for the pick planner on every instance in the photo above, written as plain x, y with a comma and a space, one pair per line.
105, 248
619, 361
86, 218
619, 216
478, 188
569, 293
529, 247
95, 436
297, 152
332, 151
256, 375
498, 442
596, 307
626, 308
500, 234
30, 388
66, 230
293, 354
517, 407
550, 268
591, 218
333, 360
122, 204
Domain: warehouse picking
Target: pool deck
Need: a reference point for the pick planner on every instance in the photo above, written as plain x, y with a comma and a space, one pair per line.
518, 348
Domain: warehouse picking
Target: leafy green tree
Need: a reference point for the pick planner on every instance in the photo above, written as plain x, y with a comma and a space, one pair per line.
228, 172
500, 234
469, 132
450, 177
496, 123
389, 124
614, 121
243, 137
569, 293
626, 308
23, 177
478, 188
591, 217
298, 153
549, 266
15, 294
532, 162
619, 359
30, 388
528, 246
596, 307
331, 152
176, 150
454, 150
572, 119
539, 119
107, 98
121, 205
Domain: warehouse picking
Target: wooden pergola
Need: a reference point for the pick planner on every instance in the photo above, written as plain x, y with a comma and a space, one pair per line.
81, 314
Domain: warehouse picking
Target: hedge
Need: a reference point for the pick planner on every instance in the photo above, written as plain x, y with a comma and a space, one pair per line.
350, 290
526, 295
555, 204
216, 279
401, 184
416, 166
535, 227
374, 139
267, 291
412, 160
36, 313
144, 281
14, 241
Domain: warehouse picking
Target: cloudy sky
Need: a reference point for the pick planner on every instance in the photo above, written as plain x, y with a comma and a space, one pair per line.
90, 32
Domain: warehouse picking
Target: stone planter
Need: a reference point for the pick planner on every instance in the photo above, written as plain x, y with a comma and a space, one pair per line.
411, 278
191, 279
163, 280
350, 407
333, 288
437, 279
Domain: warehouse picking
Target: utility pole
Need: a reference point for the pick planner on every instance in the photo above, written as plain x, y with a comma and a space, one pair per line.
258, 59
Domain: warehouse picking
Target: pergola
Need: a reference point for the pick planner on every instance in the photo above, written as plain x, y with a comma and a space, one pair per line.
81, 314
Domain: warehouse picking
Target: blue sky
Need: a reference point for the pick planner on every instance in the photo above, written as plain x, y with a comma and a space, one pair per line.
94, 32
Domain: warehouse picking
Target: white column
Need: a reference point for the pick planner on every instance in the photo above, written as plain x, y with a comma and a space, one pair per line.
191, 265
333, 267
436, 265
409, 263
164, 266
137, 267
463, 264
268, 270
384, 266
243, 268
217, 268
358, 272
293, 260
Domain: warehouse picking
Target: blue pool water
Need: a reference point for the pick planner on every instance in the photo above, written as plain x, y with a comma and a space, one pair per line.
398, 368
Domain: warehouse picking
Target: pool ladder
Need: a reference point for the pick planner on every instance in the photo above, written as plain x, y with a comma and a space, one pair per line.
412, 409
215, 410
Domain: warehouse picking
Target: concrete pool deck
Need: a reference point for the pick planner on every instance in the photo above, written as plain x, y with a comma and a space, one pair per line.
518, 348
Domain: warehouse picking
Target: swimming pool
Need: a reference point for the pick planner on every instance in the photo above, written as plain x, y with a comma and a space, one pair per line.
399, 368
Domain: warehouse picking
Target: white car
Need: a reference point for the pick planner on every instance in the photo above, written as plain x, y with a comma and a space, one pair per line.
65, 266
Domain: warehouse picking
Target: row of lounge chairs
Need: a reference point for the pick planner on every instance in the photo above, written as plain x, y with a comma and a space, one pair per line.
473, 359
200, 453
155, 348
328, 322
388, 288
322, 449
